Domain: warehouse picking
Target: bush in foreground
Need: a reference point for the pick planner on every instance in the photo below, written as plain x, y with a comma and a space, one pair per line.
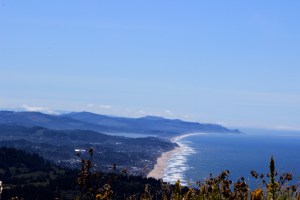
214, 188
92, 184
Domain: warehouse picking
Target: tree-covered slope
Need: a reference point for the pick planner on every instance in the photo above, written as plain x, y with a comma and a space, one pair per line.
138, 155
29, 176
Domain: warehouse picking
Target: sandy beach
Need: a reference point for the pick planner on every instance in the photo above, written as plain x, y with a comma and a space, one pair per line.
162, 163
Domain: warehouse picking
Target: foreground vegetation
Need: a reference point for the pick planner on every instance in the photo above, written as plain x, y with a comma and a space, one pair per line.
27, 176
220, 187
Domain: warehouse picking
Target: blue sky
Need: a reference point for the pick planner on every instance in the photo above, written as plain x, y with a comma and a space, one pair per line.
230, 62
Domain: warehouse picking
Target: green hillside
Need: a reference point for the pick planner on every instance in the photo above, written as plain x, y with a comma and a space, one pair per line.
31, 177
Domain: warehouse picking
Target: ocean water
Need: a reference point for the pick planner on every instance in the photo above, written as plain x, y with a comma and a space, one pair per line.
212, 153
130, 135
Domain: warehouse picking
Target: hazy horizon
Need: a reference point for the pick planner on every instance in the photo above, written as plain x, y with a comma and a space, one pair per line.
231, 63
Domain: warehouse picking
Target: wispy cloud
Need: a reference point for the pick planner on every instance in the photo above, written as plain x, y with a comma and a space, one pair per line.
90, 105
221, 123
104, 106
168, 113
162, 113
133, 112
38, 109
142, 112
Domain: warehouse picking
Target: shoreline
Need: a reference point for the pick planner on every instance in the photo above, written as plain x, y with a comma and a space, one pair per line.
174, 139
162, 162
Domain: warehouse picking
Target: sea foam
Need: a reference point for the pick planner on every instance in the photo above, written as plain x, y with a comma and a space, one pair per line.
177, 165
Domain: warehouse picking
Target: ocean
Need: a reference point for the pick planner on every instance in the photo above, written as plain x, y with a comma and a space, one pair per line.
239, 153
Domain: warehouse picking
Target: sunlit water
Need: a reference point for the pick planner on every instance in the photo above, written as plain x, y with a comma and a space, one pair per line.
212, 153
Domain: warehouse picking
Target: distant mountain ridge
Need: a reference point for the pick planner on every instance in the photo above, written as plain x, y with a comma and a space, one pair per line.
31, 119
102, 123
56, 137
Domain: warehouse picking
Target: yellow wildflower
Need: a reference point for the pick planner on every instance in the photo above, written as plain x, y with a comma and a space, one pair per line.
257, 194
98, 196
270, 186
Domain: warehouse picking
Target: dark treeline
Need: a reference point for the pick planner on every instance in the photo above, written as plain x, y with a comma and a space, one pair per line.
29, 176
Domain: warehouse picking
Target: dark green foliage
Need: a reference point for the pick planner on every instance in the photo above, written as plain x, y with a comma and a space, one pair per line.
31, 177
10, 157
136, 154
272, 178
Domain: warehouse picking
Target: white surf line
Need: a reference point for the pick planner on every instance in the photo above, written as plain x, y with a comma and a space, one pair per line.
176, 138
177, 163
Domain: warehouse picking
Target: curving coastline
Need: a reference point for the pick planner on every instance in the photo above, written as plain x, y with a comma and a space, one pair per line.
162, 162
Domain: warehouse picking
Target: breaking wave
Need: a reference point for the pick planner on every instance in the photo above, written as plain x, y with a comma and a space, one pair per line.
177, 165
